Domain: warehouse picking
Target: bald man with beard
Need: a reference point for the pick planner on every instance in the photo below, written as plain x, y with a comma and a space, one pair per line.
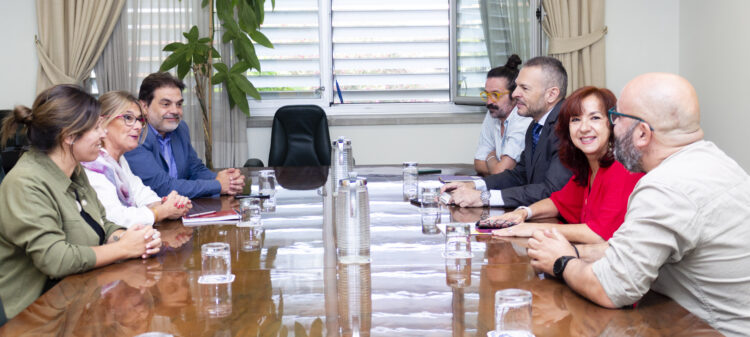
686, 232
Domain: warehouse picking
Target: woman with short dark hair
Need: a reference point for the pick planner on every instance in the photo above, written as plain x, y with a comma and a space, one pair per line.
51, 222
594, 200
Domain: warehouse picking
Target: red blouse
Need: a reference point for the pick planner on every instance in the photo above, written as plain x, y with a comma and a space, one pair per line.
603, 206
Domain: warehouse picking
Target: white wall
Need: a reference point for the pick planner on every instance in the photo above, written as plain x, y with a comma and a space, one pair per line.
18, 58
714, 49
643, 36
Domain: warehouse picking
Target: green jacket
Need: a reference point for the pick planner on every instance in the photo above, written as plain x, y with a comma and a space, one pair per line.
42, 233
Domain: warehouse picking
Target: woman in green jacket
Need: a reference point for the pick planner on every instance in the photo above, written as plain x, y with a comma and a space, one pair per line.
51, 221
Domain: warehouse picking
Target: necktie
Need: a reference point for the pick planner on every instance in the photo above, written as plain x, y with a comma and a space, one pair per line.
166, 151
535, 132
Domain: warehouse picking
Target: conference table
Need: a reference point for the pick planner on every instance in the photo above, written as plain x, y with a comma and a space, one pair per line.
288, 281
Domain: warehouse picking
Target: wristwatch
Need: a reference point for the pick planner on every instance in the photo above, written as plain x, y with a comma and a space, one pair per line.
485, 197
559, 267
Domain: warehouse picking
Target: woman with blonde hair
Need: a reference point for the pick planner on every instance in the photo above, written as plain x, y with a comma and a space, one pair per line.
51, 222
126, 199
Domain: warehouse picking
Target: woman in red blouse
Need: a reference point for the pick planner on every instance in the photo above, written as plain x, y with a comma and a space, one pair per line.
594, 201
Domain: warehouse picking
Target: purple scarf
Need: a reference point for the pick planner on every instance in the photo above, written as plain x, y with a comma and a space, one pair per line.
112, 170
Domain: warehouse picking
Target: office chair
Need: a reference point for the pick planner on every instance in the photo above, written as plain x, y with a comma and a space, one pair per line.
3, 319
300, 137
15, 147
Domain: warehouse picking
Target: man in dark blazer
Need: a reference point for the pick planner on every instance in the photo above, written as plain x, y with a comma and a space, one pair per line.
540, 90
166, 160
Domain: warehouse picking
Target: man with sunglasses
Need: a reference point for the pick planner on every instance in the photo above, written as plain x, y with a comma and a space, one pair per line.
685, 233
540, 89
502, 138
166, 161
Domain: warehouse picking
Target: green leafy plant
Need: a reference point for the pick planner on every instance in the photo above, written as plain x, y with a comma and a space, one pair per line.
241, 20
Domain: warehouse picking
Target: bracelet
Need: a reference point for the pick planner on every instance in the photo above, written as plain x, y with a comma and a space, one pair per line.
490, 157
156, 214
528, 211
576, 249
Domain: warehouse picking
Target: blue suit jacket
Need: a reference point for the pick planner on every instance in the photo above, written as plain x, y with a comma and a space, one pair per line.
193, 180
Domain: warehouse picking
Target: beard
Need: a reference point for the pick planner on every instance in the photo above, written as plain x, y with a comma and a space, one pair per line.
626, 153
496, 112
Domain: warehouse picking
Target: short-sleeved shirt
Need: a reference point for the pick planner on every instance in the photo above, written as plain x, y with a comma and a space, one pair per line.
510, 143
686, 235
601, 206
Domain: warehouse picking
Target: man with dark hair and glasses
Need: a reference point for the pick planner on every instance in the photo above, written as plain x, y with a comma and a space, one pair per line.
503, 130
685, 233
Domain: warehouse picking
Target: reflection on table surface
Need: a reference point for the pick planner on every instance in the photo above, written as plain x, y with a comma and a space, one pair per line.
288, 282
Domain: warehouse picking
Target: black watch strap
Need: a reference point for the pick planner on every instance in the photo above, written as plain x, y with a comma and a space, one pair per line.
559, 267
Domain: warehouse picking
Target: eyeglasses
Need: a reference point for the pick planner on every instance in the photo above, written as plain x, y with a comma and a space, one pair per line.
485, 95
130, 119
614, 116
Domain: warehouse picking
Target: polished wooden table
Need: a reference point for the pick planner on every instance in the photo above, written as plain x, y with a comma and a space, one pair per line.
288, 282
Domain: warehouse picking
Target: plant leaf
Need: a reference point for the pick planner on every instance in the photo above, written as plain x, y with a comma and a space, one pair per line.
244, 84
257, 36
171, 61
259, 11
224, 10
182, 69
228, 36
215, 53
221, 67
204, 3
248, 22
218, 78
173, 46
238, 96
192, 35
246, 51
204, 40
239, 68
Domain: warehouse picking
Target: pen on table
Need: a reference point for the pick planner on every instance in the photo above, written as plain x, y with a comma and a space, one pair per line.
429, 171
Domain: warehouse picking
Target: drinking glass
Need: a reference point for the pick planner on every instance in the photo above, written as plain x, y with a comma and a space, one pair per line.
428, 197
251, 238
512, 313
267, 182
216, 266
249, 212
458, 273
429, 223
411, 180
458, 241
216, 299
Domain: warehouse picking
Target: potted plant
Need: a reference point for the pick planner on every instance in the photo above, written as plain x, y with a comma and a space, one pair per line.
241, 20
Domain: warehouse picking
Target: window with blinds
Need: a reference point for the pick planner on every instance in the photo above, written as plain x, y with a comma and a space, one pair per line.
292, 68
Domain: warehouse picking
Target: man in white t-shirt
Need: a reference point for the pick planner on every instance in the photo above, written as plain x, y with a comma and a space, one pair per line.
503, 130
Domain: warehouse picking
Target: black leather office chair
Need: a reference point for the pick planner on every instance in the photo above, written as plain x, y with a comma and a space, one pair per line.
300, 137
3, 319
16, 146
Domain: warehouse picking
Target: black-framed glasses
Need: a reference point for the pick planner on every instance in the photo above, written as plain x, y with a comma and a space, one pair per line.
130, 119
614, 116
485, 95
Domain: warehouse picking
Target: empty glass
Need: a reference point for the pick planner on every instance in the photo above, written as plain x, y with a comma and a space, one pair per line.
512, 313
249, 212
411, 179
216, 264
267, 182
458, 241
428, 197
458, 273
429, 223
216, 299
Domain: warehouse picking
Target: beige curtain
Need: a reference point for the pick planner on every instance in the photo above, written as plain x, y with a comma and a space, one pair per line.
113, 70
576, 30
72, 34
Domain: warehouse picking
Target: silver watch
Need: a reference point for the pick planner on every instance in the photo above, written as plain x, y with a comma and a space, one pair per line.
485, 196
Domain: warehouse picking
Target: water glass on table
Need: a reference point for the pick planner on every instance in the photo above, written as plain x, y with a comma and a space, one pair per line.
216, 263
249, 212
411, 179
512, 313
458, 241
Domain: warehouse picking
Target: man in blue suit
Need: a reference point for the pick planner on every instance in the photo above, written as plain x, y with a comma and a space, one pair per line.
166, 160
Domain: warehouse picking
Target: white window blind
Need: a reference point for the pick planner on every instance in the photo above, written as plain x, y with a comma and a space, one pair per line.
391, 50
292, 68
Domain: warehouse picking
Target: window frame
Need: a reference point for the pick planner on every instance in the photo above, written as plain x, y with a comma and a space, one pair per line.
268, 107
